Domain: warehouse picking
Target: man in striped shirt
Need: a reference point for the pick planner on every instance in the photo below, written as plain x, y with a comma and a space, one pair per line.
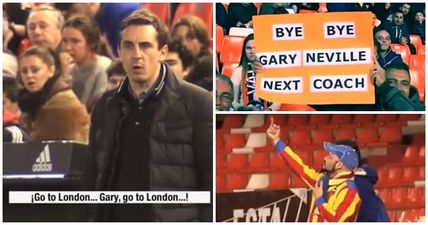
335, 193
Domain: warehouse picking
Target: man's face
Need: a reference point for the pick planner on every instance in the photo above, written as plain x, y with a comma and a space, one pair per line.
405, 8
383, 39
140, 53
330, 162
223, 95
43, 29
399, 79
398, 18
174, 61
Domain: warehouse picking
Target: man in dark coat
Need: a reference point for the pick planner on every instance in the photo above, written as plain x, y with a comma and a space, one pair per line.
154, 133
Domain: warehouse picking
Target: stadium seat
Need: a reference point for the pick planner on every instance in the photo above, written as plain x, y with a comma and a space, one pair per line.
366, 135
228, 69
295, 107
219, 35
417, 62
384, 119
395, 176
341, 119
319, 120
236, 162
277, 163
299, 138
162, 10
319, 155
421, 174
410, 175
307, 11
390, 135
296, 182
409, 117
259, 162
231, 49
415, 40
361, 119
297, 120
220, 183
320, 135
235, 140
421, 50
344, 133
417, 79
219, 139
201, 10
403, 50
398, 198
233, 121
411, 155
385, 195
416, 197
220, 162
279, 181
307, 156
236, 181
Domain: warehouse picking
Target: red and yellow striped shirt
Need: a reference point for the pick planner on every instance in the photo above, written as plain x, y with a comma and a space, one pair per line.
342, 203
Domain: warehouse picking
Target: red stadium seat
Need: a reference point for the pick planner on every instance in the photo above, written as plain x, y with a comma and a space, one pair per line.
319, 120
345, 133
279, 181
296, 182
236, 181
162, 10
403, 50
421, 174
299, 138
421, 49
385, 195
390, 135
409, 117
417, 62
228, 69
219, 35
417, 79
398, 197
259, 162
297, 120
341, 119
320, 135
360, 119
395, 176
219, 139
295, 107
237, 162
411, 155
235, 140
386, 118
319, 155
220, 183
307, 156
366, 135
231, 49
201, 10
220, 162
233, 121
277, 163
416, 198
410, 175
415, 40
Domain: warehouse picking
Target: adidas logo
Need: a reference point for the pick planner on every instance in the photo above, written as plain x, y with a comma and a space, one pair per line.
43, 162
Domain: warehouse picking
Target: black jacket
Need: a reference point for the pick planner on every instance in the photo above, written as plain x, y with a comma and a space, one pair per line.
180, 145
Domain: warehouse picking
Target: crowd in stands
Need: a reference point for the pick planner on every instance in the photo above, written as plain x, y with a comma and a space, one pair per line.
60, 58
399, 38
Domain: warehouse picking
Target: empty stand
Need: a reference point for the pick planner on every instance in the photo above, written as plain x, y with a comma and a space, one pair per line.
403, 50
231, 49
279, 181
219, 38
417, 62
236, 162
228, 69
236, 181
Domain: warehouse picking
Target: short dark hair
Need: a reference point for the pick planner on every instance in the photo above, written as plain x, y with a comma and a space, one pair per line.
226, 79
398, 11
175, 45
353, 145
144, 17
116, 68
397, 66
89, 29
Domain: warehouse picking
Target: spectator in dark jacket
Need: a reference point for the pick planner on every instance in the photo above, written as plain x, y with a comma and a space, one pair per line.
393, 89
154, 133
384, 54
419, 25
399, 31
241, 14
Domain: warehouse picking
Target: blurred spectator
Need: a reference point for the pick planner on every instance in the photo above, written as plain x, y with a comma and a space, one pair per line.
273, 8
116, 74
10, 96
393, 89
419, 25
242, 95
44, 27
50, 109
399, 31
10, 65
221, 17
17, 16
382, 11
224, 93
407, 14
12, 132
179, 58
201, 73
81, 40
194, 34
109, 17
241, 14
349, 7
384, 53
